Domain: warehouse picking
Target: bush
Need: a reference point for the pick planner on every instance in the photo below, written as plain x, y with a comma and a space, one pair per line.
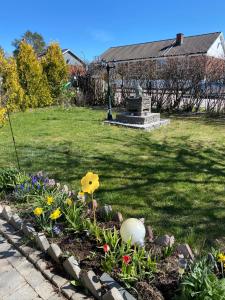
8, 178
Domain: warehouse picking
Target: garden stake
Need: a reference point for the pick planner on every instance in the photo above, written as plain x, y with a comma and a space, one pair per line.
13, 138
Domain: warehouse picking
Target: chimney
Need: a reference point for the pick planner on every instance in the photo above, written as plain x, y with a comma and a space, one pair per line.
180, 39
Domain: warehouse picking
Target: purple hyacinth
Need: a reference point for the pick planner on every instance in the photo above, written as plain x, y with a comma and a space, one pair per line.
56, 229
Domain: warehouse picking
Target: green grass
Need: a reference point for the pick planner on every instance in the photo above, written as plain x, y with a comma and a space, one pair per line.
173, 176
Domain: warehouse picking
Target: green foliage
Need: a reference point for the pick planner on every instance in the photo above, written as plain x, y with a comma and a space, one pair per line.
74, 217
55, 69
8, 177
202, 284
31, 76
34, 39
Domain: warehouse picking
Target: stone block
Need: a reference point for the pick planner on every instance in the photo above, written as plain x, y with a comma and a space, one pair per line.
42, 242
16, 222
26, 250
72, 267
59, 281
68, 290
55, 252
113, 294
92, 283
35, 256
6, 213
186, 251
111, 283
29, 230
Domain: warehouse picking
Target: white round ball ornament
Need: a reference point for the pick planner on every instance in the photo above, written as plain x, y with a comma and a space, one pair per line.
133, 229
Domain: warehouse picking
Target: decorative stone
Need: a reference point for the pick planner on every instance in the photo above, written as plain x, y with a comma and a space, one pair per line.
72, 267
186, 251
55, 252
16, 222
29, 230
91, 282
113, 294
6, 213
149, 233
118, 217
111, 283
42, 241
105, 211
165, 241
93, 204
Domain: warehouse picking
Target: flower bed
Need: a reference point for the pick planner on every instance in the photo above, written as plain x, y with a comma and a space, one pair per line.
77, 227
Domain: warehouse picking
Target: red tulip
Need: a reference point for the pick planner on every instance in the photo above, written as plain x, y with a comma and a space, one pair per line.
106, 248
126, 259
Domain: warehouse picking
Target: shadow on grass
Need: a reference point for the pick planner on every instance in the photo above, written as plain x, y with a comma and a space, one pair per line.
178, 187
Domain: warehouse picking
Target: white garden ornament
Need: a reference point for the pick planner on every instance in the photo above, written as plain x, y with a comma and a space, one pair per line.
133, 229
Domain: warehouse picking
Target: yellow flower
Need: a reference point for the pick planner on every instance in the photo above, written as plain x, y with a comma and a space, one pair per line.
69, 201
81, 196
38, 211
55, 214
90, 183
221, 258
2, 116
50, 200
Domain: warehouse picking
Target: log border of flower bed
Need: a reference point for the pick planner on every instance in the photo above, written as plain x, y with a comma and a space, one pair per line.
13, 228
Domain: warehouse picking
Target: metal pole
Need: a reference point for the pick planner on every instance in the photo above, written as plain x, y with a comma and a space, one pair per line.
109, 117
14, 142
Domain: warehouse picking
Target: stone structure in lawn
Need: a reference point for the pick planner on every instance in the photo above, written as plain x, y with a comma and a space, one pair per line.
138, 113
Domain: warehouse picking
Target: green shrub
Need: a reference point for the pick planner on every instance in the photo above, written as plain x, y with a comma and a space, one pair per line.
8, 178
202, 284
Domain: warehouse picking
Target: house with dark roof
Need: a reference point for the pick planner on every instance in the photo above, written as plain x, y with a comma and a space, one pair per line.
210, 44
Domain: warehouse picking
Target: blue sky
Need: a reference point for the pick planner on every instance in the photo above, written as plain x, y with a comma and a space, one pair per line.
90, 27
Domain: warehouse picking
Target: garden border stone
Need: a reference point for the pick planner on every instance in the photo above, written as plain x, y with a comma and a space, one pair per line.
9, 228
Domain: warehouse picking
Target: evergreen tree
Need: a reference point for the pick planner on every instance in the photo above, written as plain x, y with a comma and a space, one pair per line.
11, 90
32, 78
55, 69
34, 39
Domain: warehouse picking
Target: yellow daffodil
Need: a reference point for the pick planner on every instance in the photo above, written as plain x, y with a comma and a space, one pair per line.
50, 200
38, 211
90, 183
55, 214
2, 116
69, 201
221, 258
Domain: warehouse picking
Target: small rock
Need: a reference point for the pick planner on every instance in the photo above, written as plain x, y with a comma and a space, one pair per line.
42, 241
29, 230
113, 294
91, 282
186, 251
105, 211
118, 217
55, 252
149, 234
16, 222
165, 241
93, 205
72, 267
6, 213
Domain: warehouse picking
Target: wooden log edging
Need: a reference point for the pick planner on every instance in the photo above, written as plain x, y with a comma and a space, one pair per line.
14, 229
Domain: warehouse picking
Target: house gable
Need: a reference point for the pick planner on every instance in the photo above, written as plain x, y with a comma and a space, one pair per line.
217, 49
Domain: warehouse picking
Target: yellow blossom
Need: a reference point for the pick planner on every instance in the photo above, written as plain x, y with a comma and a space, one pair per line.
90, 183
2, 116
38, 211
50, 200
221, 258
55, 214
69, 201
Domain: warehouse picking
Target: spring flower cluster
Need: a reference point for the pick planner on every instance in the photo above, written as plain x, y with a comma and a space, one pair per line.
2, 116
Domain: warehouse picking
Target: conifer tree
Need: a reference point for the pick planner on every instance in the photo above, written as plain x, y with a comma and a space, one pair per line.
12, 92
32, 78
55, 69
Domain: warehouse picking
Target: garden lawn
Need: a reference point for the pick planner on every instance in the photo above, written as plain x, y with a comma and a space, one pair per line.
174, 177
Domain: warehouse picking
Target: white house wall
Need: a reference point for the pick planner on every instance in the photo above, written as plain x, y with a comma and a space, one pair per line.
218, 48
71, 60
